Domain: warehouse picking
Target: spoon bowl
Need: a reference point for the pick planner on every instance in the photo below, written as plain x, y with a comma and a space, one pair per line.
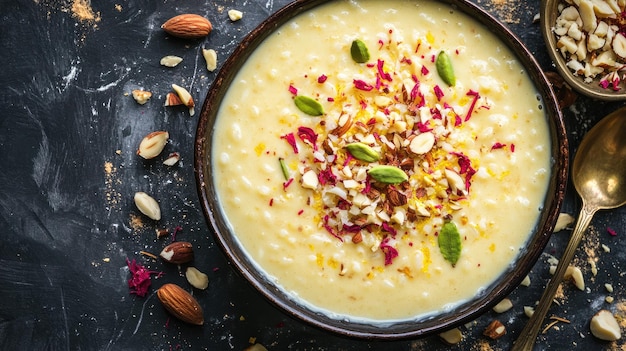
598, 174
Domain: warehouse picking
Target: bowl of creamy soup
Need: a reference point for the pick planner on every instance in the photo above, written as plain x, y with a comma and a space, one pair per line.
381, 169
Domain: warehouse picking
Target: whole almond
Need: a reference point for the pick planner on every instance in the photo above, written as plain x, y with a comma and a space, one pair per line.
147, 205
188, 26
152, 144
196, 278
180, 304
178, 252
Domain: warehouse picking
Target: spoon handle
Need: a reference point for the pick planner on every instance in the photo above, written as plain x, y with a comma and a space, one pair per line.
528, 335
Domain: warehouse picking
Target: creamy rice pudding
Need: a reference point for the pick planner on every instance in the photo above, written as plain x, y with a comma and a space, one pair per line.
382, 160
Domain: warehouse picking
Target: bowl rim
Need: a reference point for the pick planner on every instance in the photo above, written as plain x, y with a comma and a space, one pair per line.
404, 329
547, 18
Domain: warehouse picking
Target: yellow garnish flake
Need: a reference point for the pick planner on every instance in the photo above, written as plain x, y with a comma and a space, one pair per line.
319, 259
492, 247
406, 271
430, 37
259, 149
426, 261
332, 263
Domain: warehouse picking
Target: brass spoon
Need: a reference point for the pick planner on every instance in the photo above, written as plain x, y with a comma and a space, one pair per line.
599, 176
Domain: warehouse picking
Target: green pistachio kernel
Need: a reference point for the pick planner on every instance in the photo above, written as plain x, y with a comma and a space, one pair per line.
309, 105
283, 168
388, 174
449, 241
445, 69
359, 51
363, 152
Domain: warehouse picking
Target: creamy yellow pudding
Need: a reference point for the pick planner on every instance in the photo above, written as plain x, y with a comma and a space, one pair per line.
382, 160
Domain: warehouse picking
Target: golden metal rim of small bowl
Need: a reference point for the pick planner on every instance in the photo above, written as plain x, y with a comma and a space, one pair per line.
548, 14
406, 328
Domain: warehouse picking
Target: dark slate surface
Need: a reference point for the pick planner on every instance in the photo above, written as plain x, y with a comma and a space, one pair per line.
68, 135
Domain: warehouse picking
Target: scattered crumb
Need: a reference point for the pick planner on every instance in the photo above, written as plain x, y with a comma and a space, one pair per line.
483, 345
620, 313
507, 10
136, 222
111, 181
81, 9
118, 7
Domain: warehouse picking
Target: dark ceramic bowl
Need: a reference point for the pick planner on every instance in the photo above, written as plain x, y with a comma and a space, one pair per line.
549, 13
405, 329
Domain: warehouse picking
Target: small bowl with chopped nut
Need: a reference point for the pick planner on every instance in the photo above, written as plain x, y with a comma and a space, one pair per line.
377, 176
586, 39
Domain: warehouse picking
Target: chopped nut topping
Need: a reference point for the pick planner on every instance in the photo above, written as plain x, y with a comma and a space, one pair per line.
576, 275
384, 154
196, 278
528, 311
171, 61
141, 96
503, 306
604, 326
452, 336
172, 159
147, 205
563, 221
495, 330
235, 15
185, 97
589, 35
210, 57
171, 99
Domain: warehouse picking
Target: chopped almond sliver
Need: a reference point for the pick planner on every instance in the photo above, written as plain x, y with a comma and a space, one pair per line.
185, 97
171, 99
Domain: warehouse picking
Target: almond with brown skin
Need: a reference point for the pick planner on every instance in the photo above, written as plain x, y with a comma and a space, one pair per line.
172, 99
180, 304
177, 252
495, 330
188, 26
185, 97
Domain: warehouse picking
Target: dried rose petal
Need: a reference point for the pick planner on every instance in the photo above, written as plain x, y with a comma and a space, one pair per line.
307, 134
362, 85
497, 145
381, 71
438, 92
140, 282
389, 251
293, 90
291, 139
476, 96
